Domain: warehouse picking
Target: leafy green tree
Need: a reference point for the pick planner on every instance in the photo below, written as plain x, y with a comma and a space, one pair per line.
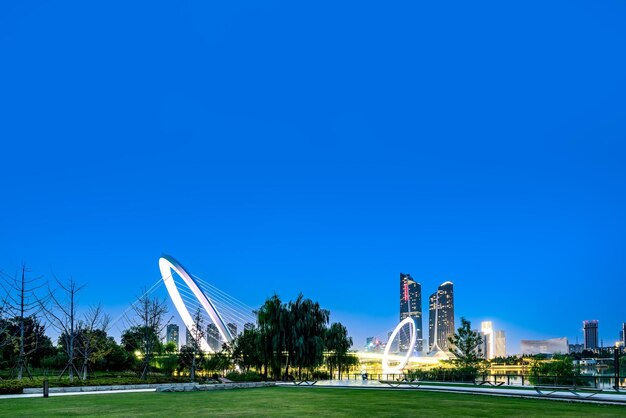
35, 344
116, 357
559, 365
218, 362
465, 345
190, 359
337, 344
134, 342
247, 350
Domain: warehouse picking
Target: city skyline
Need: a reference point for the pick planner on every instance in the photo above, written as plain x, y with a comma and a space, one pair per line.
285, 148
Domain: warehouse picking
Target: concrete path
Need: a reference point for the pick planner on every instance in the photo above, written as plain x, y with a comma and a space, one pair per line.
605, 397
99, 392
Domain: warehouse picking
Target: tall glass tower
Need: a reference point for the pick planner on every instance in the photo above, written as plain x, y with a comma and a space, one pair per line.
441, 317
171, 334
590, 332
410, 306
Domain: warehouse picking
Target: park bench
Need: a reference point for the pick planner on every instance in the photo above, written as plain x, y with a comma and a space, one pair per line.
551, 389
304, 382
402, 382
489, 382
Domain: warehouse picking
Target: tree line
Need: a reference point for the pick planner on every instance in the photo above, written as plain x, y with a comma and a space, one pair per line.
290, 338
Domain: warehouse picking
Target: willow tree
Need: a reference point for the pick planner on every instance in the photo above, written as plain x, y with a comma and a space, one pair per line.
271, 318
337, 344
307, 327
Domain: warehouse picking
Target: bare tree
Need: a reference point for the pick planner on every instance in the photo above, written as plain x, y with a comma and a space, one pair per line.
91, 333
150, 321
62, 315
21, 305
193, 348
5, 323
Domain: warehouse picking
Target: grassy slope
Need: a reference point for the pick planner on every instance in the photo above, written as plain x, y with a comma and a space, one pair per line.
289, 402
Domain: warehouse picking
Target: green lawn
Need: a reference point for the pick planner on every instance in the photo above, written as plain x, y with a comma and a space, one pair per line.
293, 402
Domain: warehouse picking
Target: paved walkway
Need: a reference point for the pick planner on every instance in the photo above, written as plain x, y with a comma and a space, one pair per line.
99, 392
606, 397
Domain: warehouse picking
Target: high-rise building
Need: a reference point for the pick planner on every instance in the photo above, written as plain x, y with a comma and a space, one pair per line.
500, 350
410, 306
189, 337
494, 342
622, 334
248, 326
213, 337
432, 313
441, 317
590, 333
171, 334
232, 328
486, 329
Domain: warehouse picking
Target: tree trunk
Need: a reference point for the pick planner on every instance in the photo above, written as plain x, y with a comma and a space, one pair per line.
193, 368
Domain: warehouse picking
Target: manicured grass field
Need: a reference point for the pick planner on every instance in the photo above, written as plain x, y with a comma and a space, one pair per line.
294, 402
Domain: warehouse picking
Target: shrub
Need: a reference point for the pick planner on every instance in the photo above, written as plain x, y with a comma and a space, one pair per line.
10, 387
442, 374
244, 376
320, 375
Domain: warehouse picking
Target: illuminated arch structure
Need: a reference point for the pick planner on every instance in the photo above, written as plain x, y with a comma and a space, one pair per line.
412, 340
167, 264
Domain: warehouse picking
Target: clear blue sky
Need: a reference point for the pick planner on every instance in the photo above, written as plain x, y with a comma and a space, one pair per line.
324, 148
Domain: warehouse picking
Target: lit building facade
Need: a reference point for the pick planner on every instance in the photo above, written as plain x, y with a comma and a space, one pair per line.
590, 334
171, 334
189, 340
486, 330
441, 317
494, 342
232, 328
551, 346
410, 306
500, 345
576, 348
213, 337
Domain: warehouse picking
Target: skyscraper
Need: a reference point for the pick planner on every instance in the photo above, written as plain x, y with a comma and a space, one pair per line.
590, 333
441, 317
248, 326
189, 340
213, 337
232, 328
500, 344
410, 306
489, 343
171, 334
622, 334
432, 313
